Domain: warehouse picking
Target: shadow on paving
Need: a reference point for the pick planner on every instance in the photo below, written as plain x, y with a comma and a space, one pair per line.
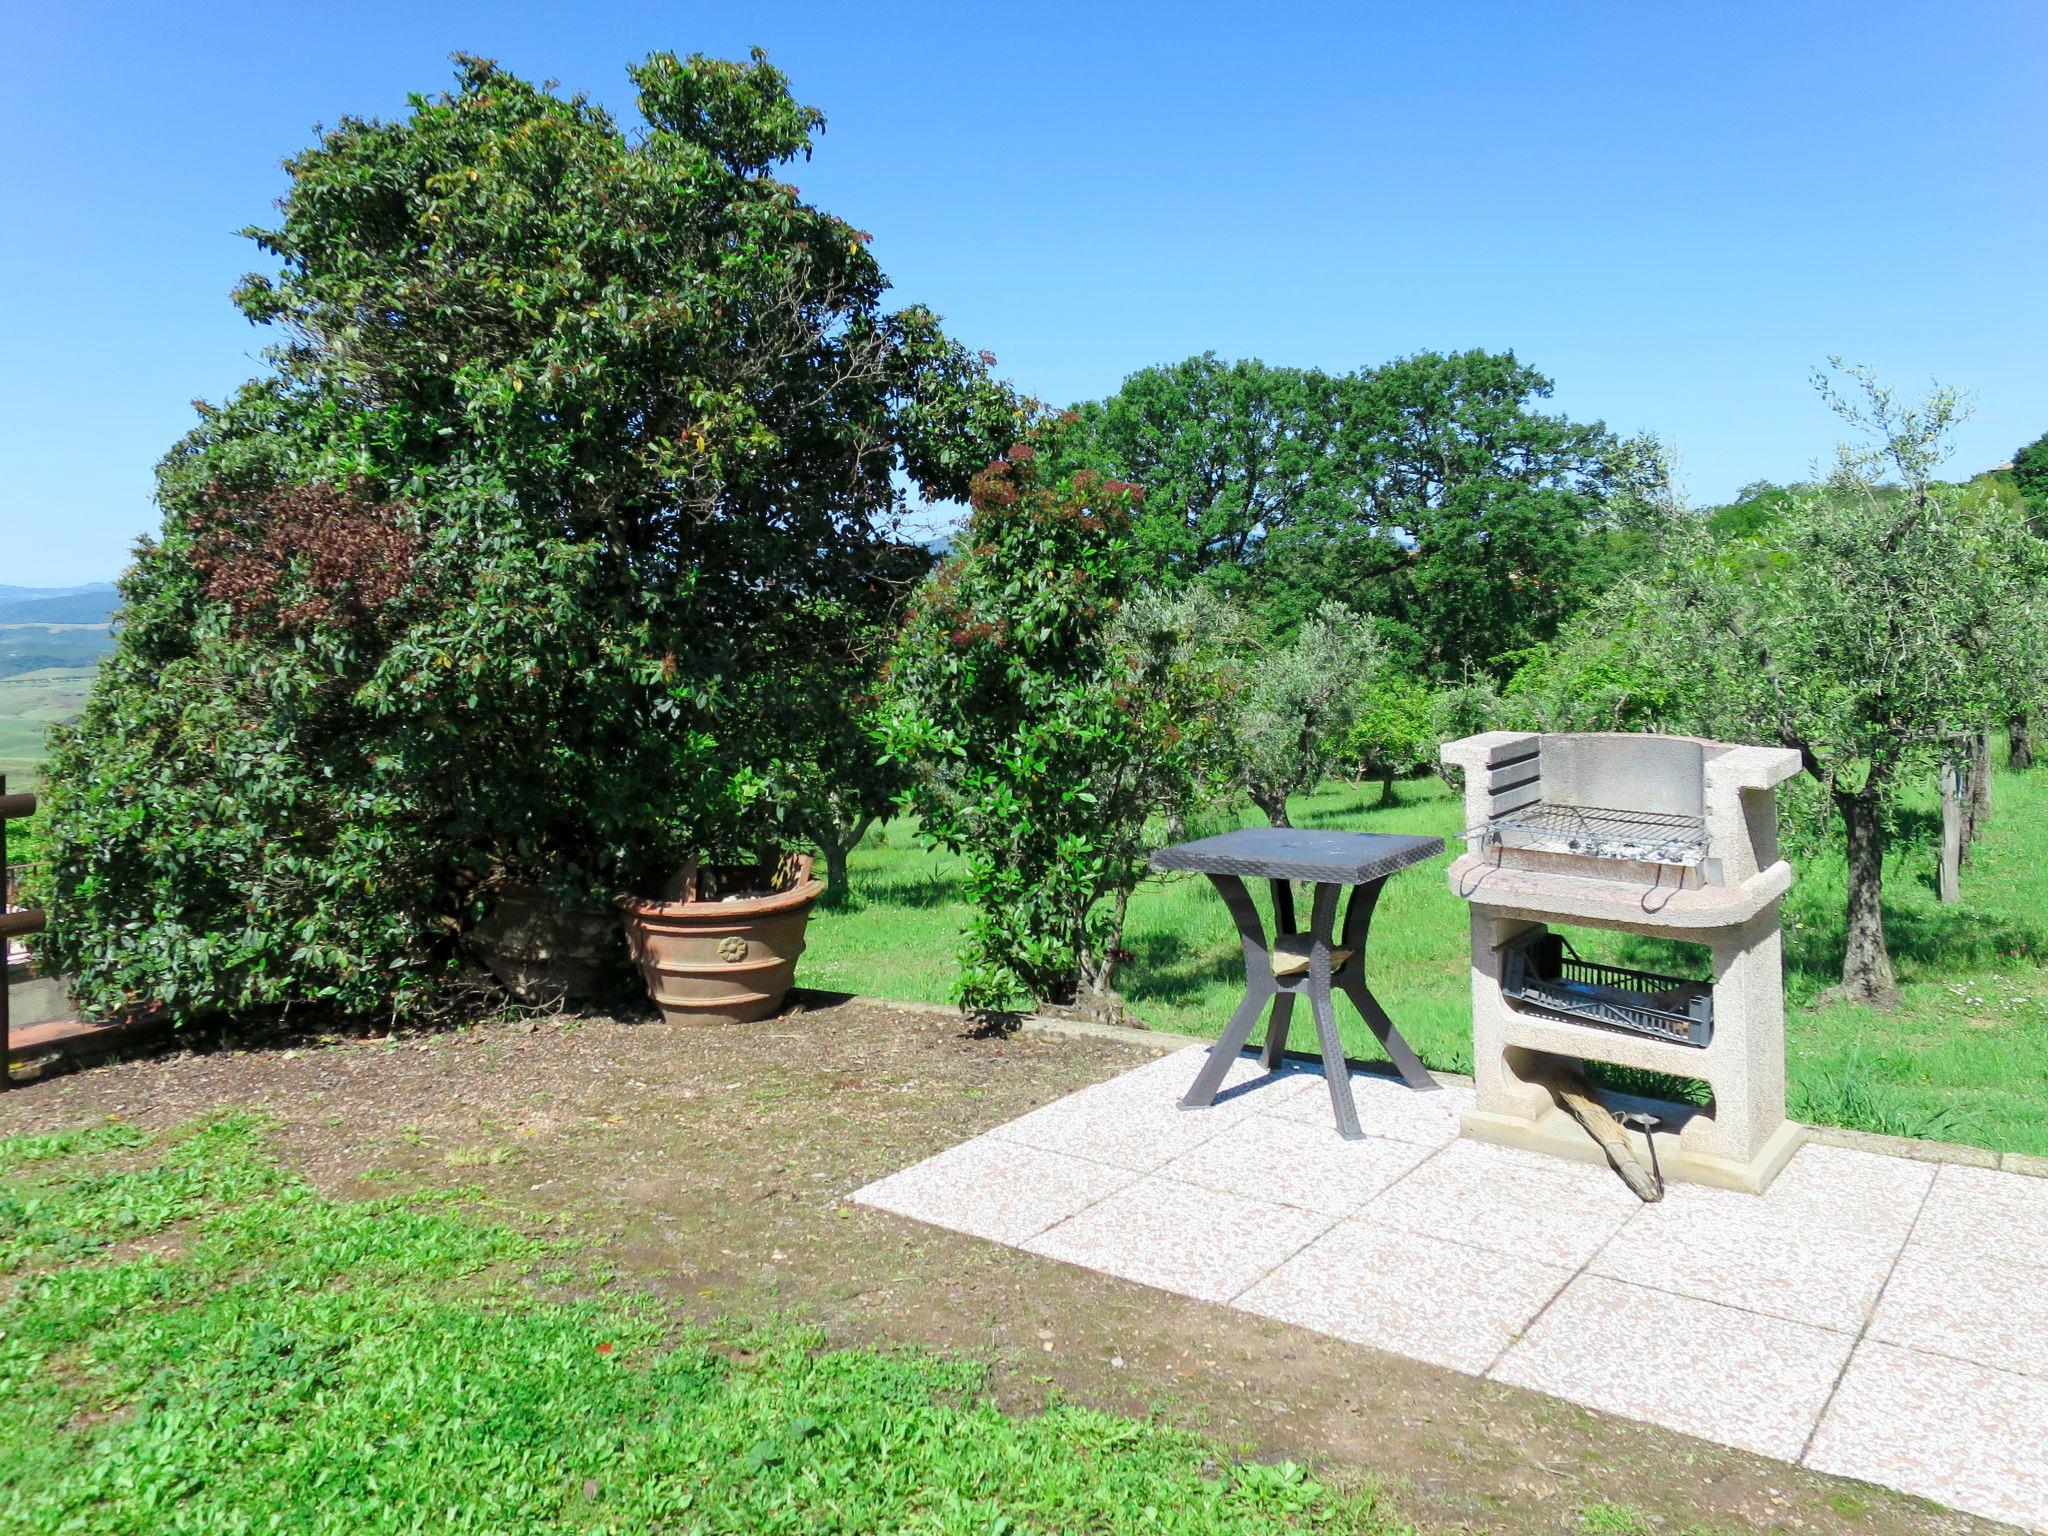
713, 1164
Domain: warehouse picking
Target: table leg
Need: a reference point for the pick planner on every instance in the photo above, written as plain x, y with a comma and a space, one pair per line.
1335, 1072
1276, 1032
1283, 1003
1357, 924
1260, 989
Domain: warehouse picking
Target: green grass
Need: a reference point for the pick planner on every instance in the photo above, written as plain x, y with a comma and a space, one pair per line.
1963, 1057
194, 1340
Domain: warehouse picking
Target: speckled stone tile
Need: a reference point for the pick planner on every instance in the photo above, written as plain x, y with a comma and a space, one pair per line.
1718, 1245
1987, 1214
1295, 1162
1423, 1297
1758, 1383
1949, 1304
1944, 1429
1522, 1204
1135, 1121
1386, 1107
1181, 1237
995, 1189
1248, 1084
1843, 1187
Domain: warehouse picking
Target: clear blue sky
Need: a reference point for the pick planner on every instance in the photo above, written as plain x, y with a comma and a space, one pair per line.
1674, 210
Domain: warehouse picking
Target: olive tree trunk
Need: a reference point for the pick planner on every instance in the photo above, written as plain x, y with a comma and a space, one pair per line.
1866, 966
2019, 738
1274, 805
836, 845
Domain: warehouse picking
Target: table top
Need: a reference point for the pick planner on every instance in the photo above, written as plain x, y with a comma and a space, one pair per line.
1300, 853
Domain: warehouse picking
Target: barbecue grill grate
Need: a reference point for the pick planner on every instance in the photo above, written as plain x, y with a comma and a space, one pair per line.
1543, 971
1649, 837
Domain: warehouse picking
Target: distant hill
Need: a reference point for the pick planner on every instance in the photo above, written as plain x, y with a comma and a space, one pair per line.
94, 606
17, 594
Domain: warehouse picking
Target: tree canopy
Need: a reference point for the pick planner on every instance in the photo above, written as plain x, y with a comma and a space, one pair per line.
1869, 624
570, 429
1430, 491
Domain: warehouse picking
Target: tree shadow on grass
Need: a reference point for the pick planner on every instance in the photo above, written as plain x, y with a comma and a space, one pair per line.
1167, 968
1930, 940
919, 892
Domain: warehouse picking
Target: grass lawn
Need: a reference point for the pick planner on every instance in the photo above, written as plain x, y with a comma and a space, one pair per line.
193, 1339
1963, 1057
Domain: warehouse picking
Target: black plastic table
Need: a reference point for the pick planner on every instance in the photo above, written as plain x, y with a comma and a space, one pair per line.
1332, 861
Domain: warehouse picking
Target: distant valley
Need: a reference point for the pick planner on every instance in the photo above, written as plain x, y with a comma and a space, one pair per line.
51, 642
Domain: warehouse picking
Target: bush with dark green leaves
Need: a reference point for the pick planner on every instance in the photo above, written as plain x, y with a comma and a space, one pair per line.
574, 435
1050, 709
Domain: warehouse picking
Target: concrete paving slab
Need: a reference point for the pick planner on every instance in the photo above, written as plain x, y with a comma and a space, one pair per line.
1386, 1107
1000, 1190
1293, 1162
1742, 1251
1945, 1429
1181, 1237
1694, 1366
1518, 1203
1424, 1297
1988, 1214
1949, 1304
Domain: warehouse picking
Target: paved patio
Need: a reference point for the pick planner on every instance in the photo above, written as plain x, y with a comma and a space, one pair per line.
1870, 1316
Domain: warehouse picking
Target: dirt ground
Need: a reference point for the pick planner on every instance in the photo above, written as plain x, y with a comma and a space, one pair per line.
714, 1166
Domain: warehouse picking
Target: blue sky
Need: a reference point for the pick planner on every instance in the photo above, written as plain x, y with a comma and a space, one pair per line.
1676, 211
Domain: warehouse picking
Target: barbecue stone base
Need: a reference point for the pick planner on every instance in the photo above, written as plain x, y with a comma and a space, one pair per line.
1558, 1134
1740, 1142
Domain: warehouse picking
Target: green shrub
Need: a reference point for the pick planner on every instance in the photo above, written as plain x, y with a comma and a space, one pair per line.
501, 575
1047, 721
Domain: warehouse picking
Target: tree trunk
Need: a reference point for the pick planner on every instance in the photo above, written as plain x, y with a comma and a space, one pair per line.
1387, 790
2019, 750
1866, 967
1948, 875
1275, 807
841, 842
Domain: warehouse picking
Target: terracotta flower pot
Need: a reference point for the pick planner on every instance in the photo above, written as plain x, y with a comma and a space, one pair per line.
716, 961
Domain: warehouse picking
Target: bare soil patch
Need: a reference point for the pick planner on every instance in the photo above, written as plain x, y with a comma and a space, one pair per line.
713, 1166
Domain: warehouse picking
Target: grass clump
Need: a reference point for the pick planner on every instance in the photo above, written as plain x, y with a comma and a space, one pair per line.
194, 1340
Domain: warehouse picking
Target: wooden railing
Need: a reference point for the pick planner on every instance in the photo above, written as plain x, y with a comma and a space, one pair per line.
13, 924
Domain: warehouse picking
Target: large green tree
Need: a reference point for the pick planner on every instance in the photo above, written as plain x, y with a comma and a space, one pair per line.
2030, 472
496, 576
1232, 456
1432, 491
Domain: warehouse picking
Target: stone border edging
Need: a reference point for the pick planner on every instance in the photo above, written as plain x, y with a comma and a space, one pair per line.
1165, 1042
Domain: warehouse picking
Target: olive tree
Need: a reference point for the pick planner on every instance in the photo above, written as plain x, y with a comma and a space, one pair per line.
1867, 626
1297, 704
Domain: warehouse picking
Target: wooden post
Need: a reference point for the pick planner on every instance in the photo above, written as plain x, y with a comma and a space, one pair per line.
1980, 783
1948, 885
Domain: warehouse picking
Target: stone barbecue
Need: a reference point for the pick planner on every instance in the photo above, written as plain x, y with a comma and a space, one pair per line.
1667, 836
